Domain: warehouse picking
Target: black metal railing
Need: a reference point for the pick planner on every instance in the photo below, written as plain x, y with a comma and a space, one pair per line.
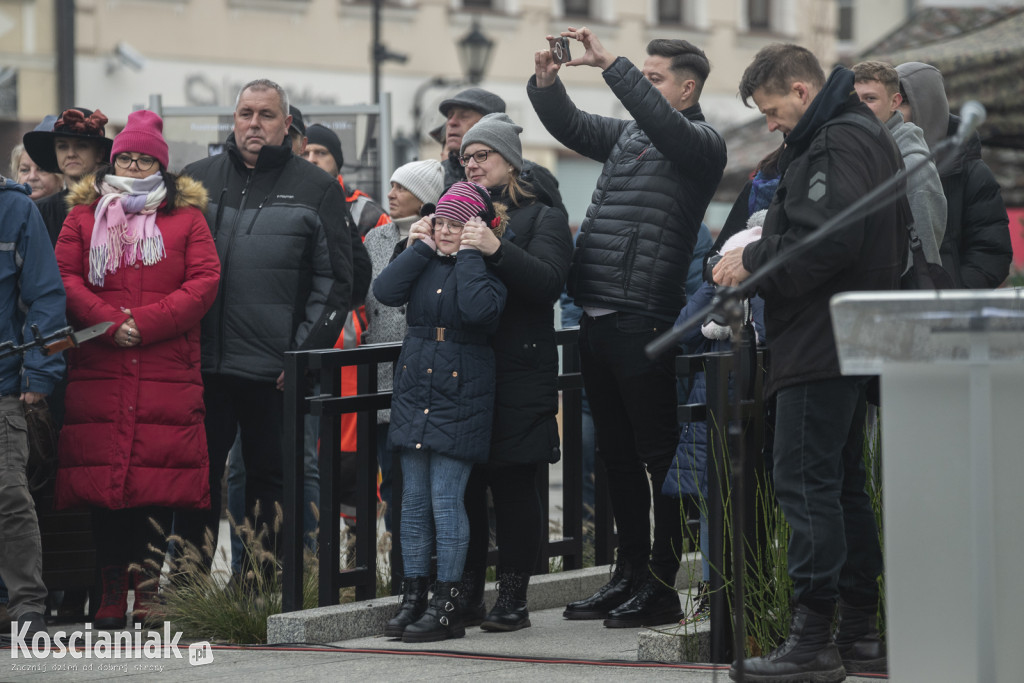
302, 369
718, 412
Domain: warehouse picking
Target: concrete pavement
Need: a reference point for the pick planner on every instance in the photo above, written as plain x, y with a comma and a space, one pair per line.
553, 649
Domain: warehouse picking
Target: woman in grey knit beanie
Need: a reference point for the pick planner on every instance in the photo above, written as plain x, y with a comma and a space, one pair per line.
495, 133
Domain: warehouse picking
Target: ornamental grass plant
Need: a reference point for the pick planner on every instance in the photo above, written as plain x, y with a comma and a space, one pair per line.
214, 605
767, 588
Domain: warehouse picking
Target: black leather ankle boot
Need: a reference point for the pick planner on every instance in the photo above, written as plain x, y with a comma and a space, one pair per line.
471, 598
652, 604
441, 620
858, 641
809, 654
414, 603
509, 612
607, 597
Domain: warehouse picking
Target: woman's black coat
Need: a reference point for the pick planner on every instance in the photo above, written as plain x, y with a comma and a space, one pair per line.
533, 263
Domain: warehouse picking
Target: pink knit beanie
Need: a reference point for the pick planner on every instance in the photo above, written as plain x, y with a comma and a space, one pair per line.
463, 201
142, 134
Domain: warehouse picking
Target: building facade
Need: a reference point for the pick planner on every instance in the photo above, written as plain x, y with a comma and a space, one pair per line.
198, 53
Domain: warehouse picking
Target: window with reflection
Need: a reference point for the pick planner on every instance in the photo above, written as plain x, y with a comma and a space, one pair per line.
670, 11
845, 30
576, 8
759, 15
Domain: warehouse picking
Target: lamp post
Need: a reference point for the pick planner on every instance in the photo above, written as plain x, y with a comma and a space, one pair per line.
65, 38
379, 53
475, 55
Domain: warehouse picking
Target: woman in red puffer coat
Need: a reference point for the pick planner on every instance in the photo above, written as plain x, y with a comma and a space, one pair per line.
135, 250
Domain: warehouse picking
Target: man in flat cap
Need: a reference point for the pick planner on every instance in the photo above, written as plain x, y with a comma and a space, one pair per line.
461, 112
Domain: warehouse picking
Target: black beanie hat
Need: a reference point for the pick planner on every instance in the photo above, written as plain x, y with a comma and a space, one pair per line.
318, 134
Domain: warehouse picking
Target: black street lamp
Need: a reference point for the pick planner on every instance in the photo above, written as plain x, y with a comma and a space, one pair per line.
475, 53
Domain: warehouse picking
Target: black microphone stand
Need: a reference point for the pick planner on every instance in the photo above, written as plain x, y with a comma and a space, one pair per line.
728, 305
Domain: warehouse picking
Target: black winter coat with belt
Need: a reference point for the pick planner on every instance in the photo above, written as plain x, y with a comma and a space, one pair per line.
443, 400
533, 262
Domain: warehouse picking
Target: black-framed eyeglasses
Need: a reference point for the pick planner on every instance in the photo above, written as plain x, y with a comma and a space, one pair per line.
479, 157
143, 163
453, 227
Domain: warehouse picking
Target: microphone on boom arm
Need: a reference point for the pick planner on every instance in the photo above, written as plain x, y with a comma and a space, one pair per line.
972, 115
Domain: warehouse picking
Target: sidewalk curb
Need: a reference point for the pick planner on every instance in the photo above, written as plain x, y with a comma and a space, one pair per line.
368, 618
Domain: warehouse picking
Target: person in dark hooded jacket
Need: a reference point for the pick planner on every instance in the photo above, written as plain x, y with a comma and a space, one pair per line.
836, 152
976, 249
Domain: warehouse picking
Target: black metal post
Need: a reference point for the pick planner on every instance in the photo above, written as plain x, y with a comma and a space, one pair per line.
572, 453
329, 539
376, 50
366, 489
716, 375
65, 30
293, 474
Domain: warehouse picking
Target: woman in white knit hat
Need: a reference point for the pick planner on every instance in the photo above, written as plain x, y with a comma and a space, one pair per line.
414, 186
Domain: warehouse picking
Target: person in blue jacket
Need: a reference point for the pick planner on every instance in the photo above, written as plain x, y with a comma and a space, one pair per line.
687, 478
442, 407
31, 293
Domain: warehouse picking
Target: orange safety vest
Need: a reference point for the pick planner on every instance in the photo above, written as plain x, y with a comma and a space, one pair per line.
351, 335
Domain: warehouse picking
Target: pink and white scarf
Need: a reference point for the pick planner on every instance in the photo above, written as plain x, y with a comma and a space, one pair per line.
126, 229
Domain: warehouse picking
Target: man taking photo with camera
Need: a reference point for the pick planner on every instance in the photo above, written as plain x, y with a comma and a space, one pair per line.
628, 273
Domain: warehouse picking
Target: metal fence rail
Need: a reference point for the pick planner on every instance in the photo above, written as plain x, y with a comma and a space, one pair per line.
301, 369
718, 413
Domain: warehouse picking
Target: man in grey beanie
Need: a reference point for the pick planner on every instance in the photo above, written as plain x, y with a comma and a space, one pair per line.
462, 112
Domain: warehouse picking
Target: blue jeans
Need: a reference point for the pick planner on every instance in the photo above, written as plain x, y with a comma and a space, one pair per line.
633, 400
433, 511
819, 483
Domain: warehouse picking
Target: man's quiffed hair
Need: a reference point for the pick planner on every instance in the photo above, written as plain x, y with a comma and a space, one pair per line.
685, 56
265, 84
776, 67
882, 72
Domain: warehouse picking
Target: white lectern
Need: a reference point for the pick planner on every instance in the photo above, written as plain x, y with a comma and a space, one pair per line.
952, 380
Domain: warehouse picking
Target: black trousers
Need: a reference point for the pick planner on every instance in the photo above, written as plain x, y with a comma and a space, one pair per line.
128, 536
518, 517
633, 399
820, 484
256, 409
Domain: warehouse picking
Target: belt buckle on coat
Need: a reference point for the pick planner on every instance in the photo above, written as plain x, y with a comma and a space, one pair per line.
439, 334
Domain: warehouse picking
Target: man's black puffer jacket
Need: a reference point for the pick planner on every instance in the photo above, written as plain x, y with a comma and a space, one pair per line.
282, 236
660, 172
